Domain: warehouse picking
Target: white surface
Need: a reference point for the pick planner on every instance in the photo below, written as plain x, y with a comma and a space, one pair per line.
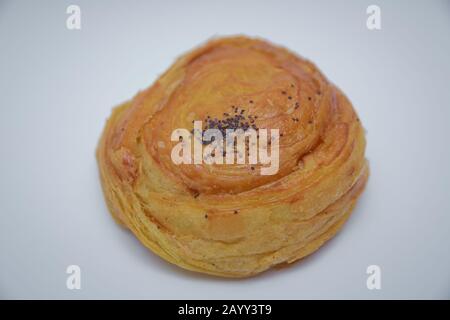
58, 86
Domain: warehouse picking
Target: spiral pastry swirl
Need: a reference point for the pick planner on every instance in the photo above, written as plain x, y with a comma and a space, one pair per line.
229, 219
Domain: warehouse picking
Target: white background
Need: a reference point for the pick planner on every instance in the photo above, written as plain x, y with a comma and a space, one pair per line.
58, 86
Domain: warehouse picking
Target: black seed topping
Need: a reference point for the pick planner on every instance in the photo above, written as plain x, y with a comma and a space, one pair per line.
195, 193
238, 120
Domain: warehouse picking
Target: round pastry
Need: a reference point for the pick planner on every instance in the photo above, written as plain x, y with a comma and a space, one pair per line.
225, 218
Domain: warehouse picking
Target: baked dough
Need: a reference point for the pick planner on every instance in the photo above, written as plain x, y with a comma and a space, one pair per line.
229, 220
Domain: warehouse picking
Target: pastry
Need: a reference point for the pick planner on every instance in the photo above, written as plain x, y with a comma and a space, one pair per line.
234, 219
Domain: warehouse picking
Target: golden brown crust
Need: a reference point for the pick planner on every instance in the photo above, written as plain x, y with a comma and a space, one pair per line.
228, 220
